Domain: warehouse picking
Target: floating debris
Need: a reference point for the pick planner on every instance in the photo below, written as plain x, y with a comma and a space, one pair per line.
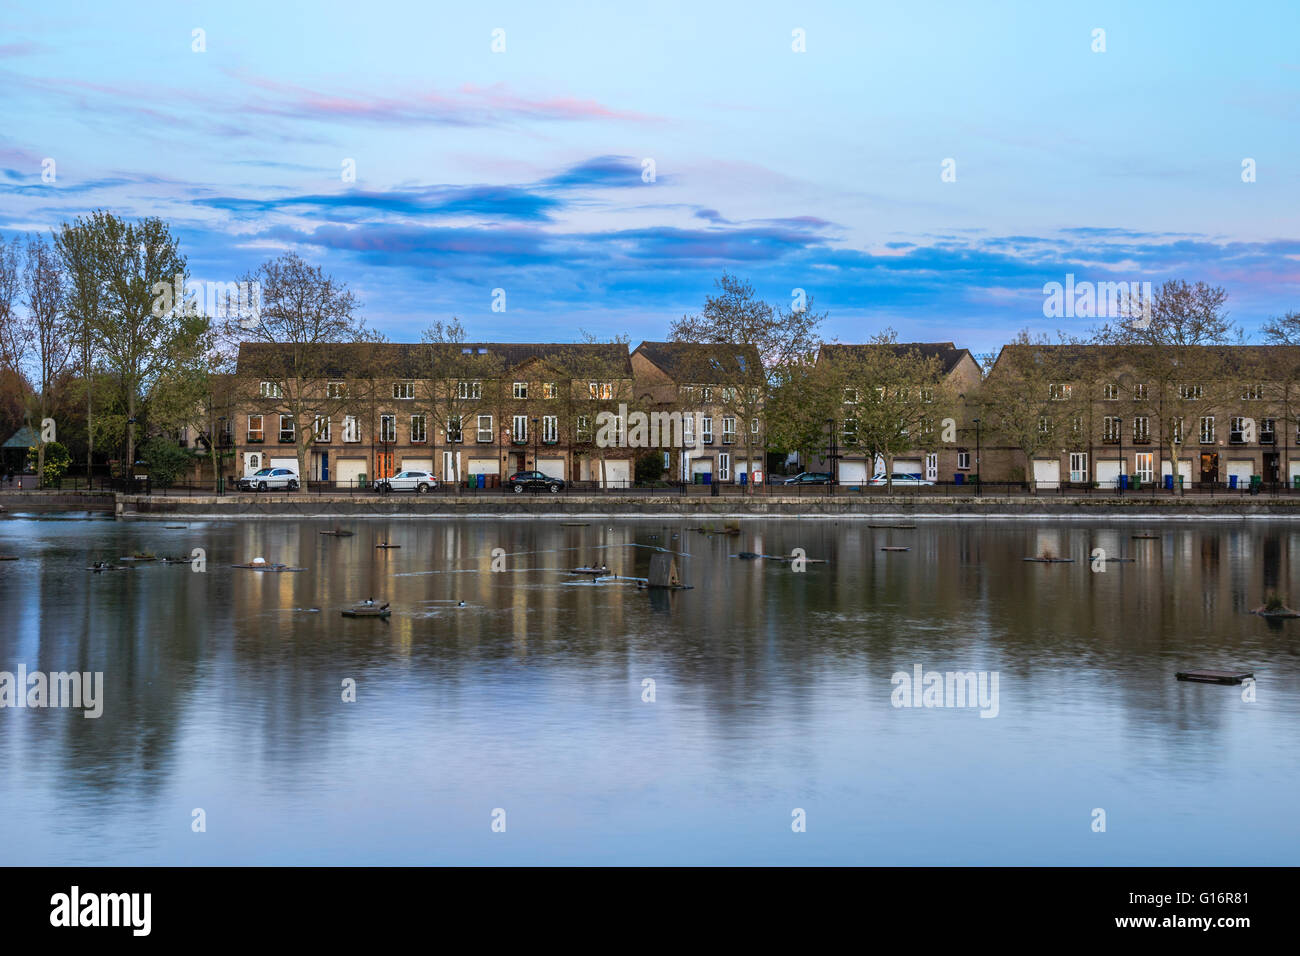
175, 560
894, 527
593, 571
575, 524
261, 564
8, 557
1146, 537
338, 533
1044, 560
104, 566
141, 556
368, 609
387, 546
896, 548
1214, 677
1274, 607
176, 527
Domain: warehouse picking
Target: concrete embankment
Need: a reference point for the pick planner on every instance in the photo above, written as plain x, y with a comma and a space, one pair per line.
18, 502
731, 506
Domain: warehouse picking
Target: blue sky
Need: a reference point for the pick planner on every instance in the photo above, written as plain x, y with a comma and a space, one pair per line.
819, 170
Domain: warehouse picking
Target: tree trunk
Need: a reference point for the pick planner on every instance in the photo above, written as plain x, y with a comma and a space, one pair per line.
130, 432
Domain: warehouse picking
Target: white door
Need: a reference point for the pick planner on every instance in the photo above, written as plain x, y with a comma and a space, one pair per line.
252, 462
348, 470
932, 466
1108, 474
451, 466
853, 473
1047, 473
741, 467
551, 467
1144, 466
1078, 466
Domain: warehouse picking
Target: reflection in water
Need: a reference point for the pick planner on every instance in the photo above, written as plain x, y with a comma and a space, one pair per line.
223, 691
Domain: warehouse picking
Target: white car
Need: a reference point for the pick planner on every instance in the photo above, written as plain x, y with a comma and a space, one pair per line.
418, 481
911, 480
268, 479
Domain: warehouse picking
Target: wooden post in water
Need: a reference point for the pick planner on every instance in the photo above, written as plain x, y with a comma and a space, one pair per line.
663, 571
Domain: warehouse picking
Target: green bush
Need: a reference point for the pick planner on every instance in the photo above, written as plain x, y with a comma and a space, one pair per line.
166, 460
649, 467
57, 462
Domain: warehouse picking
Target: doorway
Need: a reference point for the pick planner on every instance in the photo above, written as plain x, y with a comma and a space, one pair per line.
1209, 468
384, 464
1272, 468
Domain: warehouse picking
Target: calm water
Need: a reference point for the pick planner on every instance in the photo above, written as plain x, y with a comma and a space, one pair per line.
772, 692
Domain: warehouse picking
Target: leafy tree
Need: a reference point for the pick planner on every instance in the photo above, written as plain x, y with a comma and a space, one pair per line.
55, 461
167, 461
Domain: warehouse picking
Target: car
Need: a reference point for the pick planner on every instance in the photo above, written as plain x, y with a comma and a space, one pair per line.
906, 479
534, 480
269, 478
810, 478
420, 482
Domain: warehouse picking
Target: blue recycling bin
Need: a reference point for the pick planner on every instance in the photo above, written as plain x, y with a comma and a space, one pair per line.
1123, 482
1232, 481
480, 480
1169, 482
744, 478
958, 478
708, 478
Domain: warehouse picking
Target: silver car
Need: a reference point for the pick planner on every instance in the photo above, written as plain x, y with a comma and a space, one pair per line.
268, 479
420, 482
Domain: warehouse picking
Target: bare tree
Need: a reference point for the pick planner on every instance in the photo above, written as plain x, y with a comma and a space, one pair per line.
14, 334
83, 303
51, 344
304, 315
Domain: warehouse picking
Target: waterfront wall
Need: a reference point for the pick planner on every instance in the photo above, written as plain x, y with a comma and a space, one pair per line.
564, 506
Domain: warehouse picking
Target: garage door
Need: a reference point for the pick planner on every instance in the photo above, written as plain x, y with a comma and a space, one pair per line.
907, 466
551, 467
1242, 469
417, 464
348, 470
484, 466
618, 474
1184, 469
853, 473
1293, 470
1047, 474
1108, 474
290, 463
702, 466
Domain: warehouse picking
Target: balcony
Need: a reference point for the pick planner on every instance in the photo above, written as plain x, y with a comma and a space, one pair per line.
254, 438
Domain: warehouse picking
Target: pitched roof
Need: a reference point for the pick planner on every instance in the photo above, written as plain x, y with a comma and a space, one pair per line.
946, 352
413, 360
24, 438
694, 361
1282, 360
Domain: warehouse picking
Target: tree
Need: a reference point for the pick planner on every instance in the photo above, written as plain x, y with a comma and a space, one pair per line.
734, 315
1175, 356
14, 338
47, 329
459, 380
143, 329
893, 396
83, 302
304, 314
803, 399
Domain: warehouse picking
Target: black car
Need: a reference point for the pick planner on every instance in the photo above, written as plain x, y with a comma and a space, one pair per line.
534, 480
810, 478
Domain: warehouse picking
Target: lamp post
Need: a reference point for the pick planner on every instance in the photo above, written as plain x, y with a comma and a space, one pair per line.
536, 446
830, 454
220, 436
978, 479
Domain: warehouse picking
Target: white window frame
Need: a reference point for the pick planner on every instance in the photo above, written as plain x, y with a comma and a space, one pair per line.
336, 390
1206, 428
404, 391
706, 430
419, 429
351, 429
728, 430
322, 434
272, 390
520, 391
292, 429
550, 429
260, 431
455, 431
388, 429
519, 429
484, 430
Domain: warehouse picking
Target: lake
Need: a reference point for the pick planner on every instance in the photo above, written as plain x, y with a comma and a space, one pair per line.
523, 728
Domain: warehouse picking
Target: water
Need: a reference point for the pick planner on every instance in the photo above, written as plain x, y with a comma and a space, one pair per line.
223, 691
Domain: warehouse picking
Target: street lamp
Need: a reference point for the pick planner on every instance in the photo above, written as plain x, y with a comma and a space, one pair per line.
536, 445
830, 453
978, 480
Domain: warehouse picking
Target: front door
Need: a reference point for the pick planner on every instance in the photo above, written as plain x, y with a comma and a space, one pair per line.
384, 464
1078, 466
932, 466
1272, 468
1209, 467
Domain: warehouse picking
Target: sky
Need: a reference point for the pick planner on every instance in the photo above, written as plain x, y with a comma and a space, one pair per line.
922, 166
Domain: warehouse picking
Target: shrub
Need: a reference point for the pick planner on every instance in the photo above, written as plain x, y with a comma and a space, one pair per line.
166, 460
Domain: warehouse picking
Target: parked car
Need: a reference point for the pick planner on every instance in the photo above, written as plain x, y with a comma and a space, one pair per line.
418, 481
534, 480
910, 479
268, 479
810, 478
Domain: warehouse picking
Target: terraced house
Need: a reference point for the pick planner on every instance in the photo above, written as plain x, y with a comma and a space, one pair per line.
719, 391
351, 412
896, 397
1115, 416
